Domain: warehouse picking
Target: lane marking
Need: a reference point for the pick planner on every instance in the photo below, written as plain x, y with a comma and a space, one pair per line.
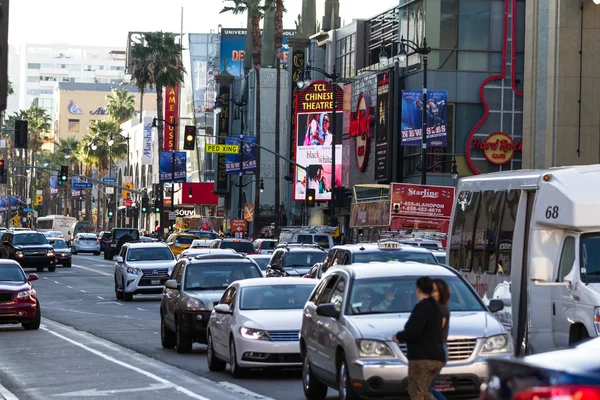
241, 390
92, 270
140, 371
109, 302
7, 394
57, 282
82, 291
101, 298
95, 392
45, 277
141, 309
70, 287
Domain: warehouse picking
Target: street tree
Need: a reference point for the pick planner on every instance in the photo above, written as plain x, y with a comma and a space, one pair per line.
120, 105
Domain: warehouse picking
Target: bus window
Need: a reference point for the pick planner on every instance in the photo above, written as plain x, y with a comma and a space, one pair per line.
567, 258
457, 229
491, 251
481, 232
471, 208
509, 216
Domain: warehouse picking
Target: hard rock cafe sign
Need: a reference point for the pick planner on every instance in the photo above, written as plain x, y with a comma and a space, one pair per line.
498, 148
361, 129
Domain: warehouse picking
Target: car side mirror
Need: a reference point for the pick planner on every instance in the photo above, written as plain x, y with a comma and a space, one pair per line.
172, 284
223, 309
32, 277
119, 260
328, 310
496, 305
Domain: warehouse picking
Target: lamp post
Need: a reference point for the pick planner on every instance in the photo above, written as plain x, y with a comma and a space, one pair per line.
423, 50
172, 125
306, 81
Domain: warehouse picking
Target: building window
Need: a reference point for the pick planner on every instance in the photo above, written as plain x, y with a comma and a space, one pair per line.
74, 67
474, 25
33, 92
47, 65
34, 66
345, 55
33, 79
74, 126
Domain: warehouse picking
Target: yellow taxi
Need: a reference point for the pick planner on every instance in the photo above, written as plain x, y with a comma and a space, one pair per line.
178, 242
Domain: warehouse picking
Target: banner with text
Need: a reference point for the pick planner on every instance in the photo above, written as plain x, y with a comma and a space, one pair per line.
172, 117
53, 184
383, 145
411, 121
147, 143
173, 168
232, 161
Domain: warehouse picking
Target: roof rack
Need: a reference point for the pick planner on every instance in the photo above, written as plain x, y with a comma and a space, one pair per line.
210, 256
312, 228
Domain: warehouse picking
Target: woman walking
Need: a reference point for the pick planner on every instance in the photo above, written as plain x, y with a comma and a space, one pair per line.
423, 336
441, 294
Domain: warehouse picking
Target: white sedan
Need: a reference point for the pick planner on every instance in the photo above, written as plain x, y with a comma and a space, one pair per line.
256, 324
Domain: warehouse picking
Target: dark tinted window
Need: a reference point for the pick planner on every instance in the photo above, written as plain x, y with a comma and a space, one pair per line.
11, 273
589, 257
59, 244
394, 255
303, 258
470, 208
262, 262
240, 247
185, 239
430, 246
218, 275
509, 216
29, 239
456, 254
491, 239
275, 297
119, 233
481, 227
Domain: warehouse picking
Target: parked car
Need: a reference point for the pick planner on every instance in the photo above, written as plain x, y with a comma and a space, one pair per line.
62, 252
142, 268
294, 259
195, 286
29, 249
265, 246
348, 323
256, 324
239, 245
18, 300
178, 242
86, 243
563, 374
120, 236
104, 238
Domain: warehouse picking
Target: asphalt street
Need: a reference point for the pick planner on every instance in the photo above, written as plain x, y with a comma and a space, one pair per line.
94, 346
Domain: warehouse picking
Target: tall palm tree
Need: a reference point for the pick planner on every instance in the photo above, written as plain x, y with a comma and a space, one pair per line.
66, 153
120, 105
256, 10
278, 30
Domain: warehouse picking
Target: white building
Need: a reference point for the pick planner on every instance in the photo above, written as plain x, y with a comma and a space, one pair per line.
35, 69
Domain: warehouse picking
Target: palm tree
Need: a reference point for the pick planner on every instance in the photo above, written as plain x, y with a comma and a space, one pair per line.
256, 11
66, 153
121, 105
278, 30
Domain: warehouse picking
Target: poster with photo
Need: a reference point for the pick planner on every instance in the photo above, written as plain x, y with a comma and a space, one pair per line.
411, 121
315, 129
318, 174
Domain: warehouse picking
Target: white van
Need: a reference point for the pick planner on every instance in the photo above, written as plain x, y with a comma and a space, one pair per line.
308, 235
532, 239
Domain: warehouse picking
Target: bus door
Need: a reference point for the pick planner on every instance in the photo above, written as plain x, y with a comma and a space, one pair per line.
562, 296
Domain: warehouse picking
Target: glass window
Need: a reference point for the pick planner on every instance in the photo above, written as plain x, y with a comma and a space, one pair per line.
318, 290
184, 239
509, 216
337, 296
29, 238
150, 254
322, 241
33, 79
394, 255
240, 247
34, 66
341, 258
275, 297
474, 25
455, 259
491, 240
467, 116
325, 294
175, 271
473, 61
74, 126
567, 258
589, 244
470, 208
481, 227
228, 296
214, 276
11, 273
304, 259
59, 244
449, 25
276, 257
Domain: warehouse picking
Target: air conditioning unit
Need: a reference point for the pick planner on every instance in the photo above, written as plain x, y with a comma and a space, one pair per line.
396, 208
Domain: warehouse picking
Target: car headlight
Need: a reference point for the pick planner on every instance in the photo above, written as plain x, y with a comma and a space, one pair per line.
135, 271
254, 334
496, 344
597, 320
19, 253
373, 348
195, 304
25, 294
50, 253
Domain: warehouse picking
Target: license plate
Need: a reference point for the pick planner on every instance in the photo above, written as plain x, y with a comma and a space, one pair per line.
155, 282
113, 245
444, 385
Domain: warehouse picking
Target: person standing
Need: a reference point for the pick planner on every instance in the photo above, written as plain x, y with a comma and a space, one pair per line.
423, 336
441, 294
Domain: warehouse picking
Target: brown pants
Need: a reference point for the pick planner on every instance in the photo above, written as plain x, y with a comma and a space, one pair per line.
420, 376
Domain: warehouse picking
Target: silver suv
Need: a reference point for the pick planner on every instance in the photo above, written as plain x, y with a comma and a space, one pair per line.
142, 268
350, 317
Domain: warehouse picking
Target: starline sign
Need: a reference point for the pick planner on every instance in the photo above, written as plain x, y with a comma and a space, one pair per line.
425, 193
498, 148
361, 129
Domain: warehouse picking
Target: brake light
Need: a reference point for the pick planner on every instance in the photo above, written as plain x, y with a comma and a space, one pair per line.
560, 393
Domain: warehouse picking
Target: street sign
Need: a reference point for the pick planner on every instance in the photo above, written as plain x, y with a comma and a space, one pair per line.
128, 185
110, 190
39, 192
38, 198
28, 200
127, 202
171, 215
28, 210
82, 185
109, 180
223, 148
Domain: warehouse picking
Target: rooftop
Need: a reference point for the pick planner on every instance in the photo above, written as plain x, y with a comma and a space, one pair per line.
394, 269
98, 87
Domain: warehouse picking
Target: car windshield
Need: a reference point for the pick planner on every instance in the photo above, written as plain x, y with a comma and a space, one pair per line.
394, 255
321, 240
275, 297
398, 295
184, 239
119, 233
430, 246
59, 244
262, 262
240, 247
11, 273
304, 258
30, 238
218, 275
150, 254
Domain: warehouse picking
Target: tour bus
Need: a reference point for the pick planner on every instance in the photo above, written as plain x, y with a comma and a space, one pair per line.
532, 239
56, 223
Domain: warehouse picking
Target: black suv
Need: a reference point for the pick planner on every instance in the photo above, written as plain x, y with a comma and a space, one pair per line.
119, 236
30, 249
104, 238
294, 259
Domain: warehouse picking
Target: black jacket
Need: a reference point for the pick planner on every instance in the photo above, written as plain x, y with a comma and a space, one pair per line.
423, 333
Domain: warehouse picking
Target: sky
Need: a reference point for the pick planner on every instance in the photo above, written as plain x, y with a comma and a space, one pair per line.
107, 22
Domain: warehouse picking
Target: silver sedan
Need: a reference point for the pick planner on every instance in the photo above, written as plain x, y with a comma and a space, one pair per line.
86, 243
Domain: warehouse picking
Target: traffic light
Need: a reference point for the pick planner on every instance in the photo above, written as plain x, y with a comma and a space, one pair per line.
2, 172
110, 212
145, 204
21, 128
189, 142
3, 53
64, 175
157, 205
310, 197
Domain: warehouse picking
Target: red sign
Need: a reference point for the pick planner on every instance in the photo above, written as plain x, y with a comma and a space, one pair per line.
361, 128
370, 214
196, 193
419, 200
127, 202
172, 117
498, 148
239, 225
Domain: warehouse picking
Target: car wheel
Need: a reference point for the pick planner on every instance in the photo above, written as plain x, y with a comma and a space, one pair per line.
344, 383
118, 293
74, 252
236, 370
52, 269
184, 342
67, 265
314, 389
34, 324
97, 253
167, 337
214, 363
39, 269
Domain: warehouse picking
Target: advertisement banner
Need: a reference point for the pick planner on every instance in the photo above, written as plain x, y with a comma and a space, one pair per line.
233, 49
317, 161
249, 211
167, 164
232, 161
297, 66
422, 227
347, 106
411, 121
171, 116
382, 127
372, 214
53, 184
147, 144
420, 200
221, 187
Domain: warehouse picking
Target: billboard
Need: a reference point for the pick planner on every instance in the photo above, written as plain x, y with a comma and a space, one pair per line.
167, 163
411, 121
232, 161
171, 116
382, 127
370, 214
53, 185
233, 49
297, 68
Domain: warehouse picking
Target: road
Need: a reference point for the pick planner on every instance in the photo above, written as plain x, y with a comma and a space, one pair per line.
91, 345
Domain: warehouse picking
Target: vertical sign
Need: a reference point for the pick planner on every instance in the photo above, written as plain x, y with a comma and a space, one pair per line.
223, 131
435, 110
53, 184
382, 127
297, 65
172, 117
147, 144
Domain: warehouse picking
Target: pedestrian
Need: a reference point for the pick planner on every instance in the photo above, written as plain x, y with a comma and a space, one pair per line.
423, 336
441, 294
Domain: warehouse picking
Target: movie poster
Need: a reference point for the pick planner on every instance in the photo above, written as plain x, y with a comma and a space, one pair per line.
317, 160
411, 121
167, 163
232, 161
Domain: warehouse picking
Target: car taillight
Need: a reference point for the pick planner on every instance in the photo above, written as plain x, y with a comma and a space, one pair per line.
560, 393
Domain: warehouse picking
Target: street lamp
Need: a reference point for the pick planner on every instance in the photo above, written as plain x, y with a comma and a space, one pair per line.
423, 50
110, 142
306, 81
240, 186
